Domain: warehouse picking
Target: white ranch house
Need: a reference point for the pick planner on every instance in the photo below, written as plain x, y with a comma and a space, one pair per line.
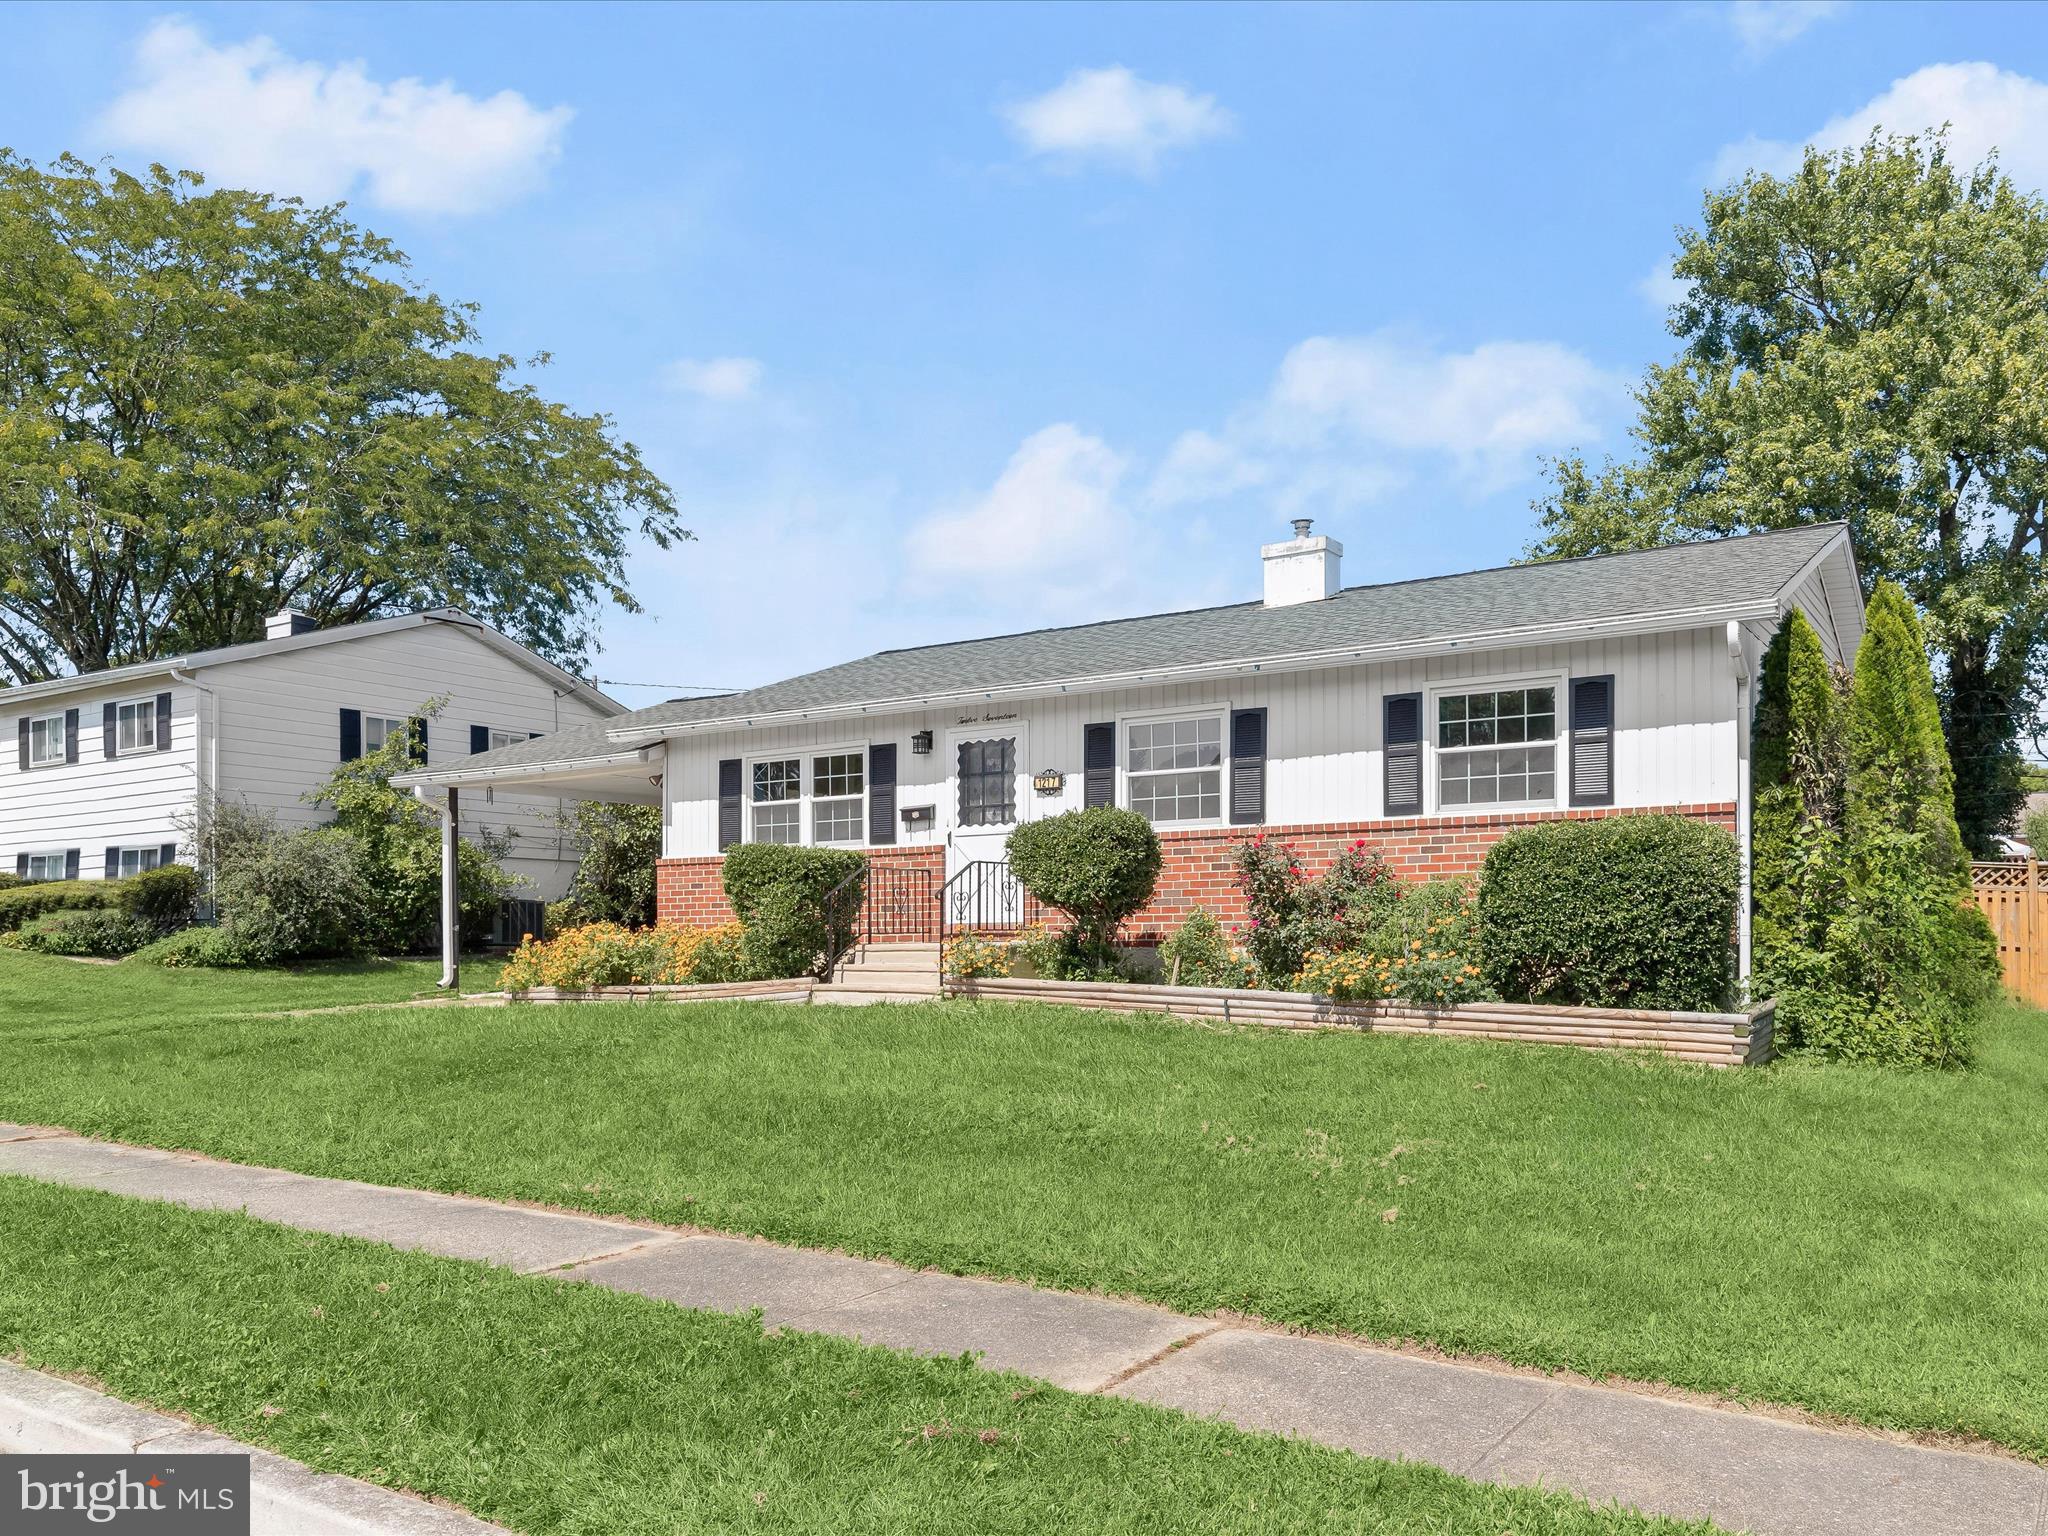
109, 766
1425, 716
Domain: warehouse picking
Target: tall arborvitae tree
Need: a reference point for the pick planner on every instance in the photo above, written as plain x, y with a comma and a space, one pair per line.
1797, 764
1900, 777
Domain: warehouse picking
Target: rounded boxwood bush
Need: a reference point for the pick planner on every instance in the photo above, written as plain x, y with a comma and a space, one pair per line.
1098, 866
784, 896
164, 896
1622, 912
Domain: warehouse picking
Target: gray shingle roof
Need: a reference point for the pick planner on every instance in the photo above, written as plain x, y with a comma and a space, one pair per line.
1720, 573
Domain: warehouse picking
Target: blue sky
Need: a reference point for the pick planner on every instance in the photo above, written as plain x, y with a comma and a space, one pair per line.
947, 321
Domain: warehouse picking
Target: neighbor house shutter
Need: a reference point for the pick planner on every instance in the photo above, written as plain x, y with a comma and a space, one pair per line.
479, 739
1592, 740
70, 863
21, 865
1247, 766
110, 728
1098, 764
1402, 715
351, 735
167, 853
70, 735
163, 722
882, 792
24, 743
728, 803
416, 740
113, 863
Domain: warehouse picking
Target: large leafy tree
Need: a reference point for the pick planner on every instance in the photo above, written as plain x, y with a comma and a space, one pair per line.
1866, 338
215, 404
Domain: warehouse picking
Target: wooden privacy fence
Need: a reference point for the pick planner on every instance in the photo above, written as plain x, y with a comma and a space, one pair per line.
2013, 893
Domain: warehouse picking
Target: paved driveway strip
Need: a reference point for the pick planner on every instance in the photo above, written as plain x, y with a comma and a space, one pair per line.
1748, 1472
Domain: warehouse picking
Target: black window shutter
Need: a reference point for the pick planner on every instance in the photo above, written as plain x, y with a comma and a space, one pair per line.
1403, 719
479, 739
1592, 740
113, 863
1098, 764
416, 740
110, 728
351, 735
167, 854
728, 803
24, 749
70, 735
1247, 767
882, 792
163, 722
21, 865
71, 861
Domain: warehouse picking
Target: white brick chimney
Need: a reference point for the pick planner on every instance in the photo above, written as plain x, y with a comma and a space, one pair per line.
286, 623
1302, 570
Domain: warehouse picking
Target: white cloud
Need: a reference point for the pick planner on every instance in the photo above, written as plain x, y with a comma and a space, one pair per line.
1985, 107
1764, 25
1351, 419
715, 378
1052, 516
1113, 116
248, 114
1660, 287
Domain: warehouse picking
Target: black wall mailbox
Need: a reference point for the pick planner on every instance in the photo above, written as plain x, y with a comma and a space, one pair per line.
918, 815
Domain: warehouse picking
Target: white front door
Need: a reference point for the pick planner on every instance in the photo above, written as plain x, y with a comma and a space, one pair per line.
988, 793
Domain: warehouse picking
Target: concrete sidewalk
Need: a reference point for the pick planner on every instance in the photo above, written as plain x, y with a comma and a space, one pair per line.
1747, 1472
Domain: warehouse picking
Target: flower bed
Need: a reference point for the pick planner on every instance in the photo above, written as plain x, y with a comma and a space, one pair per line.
1716, 1039
599, 956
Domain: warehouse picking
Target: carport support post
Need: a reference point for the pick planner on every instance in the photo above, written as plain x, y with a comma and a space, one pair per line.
451, 896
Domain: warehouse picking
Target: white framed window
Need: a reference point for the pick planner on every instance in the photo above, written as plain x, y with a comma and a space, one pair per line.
46, 866
506, 738
46, 742
776, 790
378, 729
1173, 768
1497, 746
816, 796
839, 797
133, 861
134, 726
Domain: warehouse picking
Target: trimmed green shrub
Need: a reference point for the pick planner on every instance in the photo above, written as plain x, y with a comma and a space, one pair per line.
165, 896
785, 935
303, 895
32, 898
194, 949
754, 869
98, 931
784, 895
1099, 866
1199, 954
1626, 911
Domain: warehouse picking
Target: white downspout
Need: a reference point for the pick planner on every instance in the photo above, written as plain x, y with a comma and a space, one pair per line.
1738, 662
451, 890
206, 779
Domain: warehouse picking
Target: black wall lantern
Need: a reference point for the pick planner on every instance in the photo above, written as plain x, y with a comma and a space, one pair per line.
921, 743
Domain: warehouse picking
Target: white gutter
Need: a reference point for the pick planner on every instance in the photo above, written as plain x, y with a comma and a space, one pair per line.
1684, 618
1738, 663
418, 782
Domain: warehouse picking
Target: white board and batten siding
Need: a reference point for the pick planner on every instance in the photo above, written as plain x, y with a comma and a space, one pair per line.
1675, 732
98, 802
280, 728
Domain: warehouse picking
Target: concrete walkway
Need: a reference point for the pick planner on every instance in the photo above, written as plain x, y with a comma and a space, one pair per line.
1747, 1472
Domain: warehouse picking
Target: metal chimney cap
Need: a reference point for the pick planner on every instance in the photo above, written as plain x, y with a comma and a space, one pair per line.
1302, 526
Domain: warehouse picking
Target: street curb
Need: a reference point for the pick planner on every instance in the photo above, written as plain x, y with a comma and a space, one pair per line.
42, 1415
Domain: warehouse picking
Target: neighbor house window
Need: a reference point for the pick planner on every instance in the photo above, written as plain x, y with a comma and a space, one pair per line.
46, 742
133, 861
1176, 769
839, 798
135, 726
1497, 747
506, 738
378, 729
46, 866
778, 787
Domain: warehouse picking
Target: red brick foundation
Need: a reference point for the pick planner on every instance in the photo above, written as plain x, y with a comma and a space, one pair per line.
1197, 865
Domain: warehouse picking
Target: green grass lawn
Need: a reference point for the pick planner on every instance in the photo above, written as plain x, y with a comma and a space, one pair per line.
556, 1408
1863, 1243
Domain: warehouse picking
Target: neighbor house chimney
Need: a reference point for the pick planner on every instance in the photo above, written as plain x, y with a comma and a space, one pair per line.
287, 622
1302, 570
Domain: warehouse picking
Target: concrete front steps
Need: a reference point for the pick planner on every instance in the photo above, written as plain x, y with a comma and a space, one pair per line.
882, 973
